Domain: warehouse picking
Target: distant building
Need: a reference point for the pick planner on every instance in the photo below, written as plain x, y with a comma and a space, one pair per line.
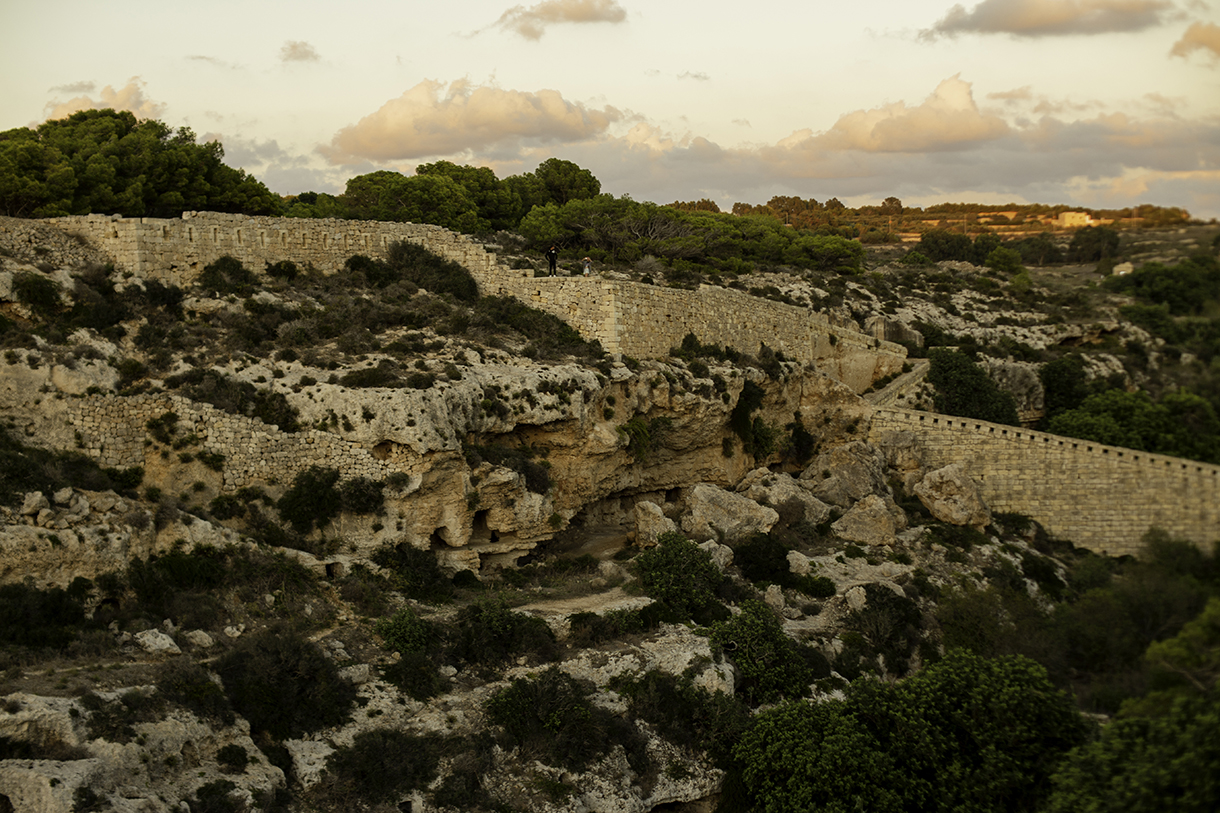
1073, 220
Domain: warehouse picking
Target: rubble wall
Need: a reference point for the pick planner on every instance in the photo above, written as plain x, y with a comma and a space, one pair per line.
1100, 497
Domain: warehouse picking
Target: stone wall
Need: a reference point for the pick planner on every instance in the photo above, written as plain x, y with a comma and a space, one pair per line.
177, 250
1100, 497
645, 321
113, 431
626, 317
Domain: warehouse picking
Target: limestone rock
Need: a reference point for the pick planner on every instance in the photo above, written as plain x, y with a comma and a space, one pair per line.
774, 597
781, 490
846, 474
200, 639
870, 522
308, 759
156, 642
798, 563
34, 502
650, 523
714, 513
953, 497
722, 555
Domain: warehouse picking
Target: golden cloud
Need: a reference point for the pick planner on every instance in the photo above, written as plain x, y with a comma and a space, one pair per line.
1041, 18
1199, 37
947, 119
431, 119
531, 22
129, 97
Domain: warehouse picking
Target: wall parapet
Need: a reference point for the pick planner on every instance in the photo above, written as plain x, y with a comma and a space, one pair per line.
1100, 497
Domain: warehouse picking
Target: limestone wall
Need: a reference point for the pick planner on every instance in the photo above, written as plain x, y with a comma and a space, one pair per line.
177, 250
626, 317
113, 431
645, 321
1100, 497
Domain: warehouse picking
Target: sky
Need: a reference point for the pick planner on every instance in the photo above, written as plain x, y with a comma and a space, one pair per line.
1092, 103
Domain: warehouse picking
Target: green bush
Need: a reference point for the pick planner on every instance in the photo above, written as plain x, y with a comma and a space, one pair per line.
431, 272
283, 684
488, 634
39, 293
236, 397
414, 572
312, 500
551, 718
965, 390
380, 766
685, 714
227, 276
39, 619
680, 575
769, 663
537, 476
188, 684
232, 758
415, 675
406, 632
964, 734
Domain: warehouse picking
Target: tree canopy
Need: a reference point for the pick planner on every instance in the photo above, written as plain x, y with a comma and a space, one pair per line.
108, 162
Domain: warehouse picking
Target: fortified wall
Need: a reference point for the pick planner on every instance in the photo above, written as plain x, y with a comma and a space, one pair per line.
626, 317
1100, 497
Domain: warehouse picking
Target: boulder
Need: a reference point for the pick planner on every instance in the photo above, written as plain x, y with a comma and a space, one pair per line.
722, 555
846, 474
156, 642
951, 496
715, 513
650, 523
35, 501
766, 487
870, 522
200, 639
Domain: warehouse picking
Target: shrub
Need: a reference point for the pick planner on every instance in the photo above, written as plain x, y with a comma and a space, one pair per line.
414, 572
283, 684
39, 293
232, 758
236, 397
406, 632
312, 500
381, 765
679, 575
430, 271
360, 495
537, 476
768, 661
685, 714
488, 634
284, 269
189, 684
35, 618
964, 389
549, 717
415, 675
227, 276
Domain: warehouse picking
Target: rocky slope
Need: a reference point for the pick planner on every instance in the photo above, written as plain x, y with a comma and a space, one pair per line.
537, 483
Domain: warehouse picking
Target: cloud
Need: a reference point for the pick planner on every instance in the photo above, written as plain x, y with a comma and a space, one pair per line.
431, 119
947, 120
1021, 94
129, 97
698, 76
298, 51
1045, 18
1199, 37
75, 87
531, 22
211, 60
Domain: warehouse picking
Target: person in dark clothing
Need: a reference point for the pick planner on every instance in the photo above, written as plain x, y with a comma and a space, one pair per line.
552, 257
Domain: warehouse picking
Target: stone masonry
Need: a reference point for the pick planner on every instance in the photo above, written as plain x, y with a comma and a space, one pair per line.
626, 317
1100, 497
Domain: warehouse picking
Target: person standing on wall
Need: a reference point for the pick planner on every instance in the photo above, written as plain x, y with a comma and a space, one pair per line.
587, 264
552, 257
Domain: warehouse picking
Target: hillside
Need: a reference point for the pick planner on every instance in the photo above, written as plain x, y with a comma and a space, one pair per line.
286, 540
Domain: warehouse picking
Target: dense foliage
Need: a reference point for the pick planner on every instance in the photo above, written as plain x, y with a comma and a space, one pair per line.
964, 389
967, 733
108, 162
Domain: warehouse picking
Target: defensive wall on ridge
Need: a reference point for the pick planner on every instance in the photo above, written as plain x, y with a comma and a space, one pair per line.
1100, 497
626, 317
